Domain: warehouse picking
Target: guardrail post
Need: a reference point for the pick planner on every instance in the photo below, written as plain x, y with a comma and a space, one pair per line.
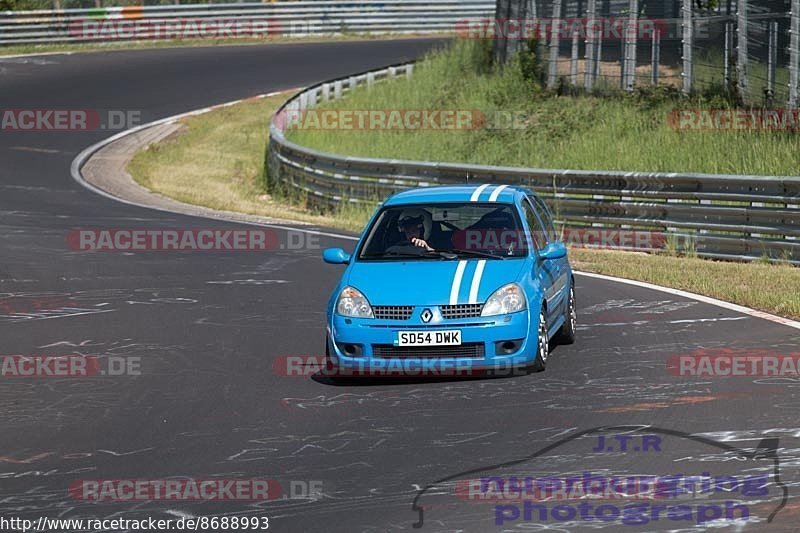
516, 11
337, 89
500, 44
293, 116
409, 71
598, 60
655, 57
326, 92
370, 79
688, 42
794, 53
728, 54
772, 59
353, 83
631, 36
623, 49
741, 48
541, 45
552, 70
392, 72
591, 37
573, 66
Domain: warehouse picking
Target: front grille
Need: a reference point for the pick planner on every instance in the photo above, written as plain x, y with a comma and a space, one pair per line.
468, 350
423, 327
393, 312
450, 312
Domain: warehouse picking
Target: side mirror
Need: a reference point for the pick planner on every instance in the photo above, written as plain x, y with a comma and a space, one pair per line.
554, 250
335, 256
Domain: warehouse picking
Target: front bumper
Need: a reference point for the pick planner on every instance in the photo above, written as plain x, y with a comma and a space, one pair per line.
495, 343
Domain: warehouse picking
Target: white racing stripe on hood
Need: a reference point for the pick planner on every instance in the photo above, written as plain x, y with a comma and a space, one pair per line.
477, 192
457, 282
476, 282
496, 193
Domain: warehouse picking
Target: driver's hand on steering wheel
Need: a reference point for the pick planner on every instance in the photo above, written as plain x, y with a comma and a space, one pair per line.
416, 241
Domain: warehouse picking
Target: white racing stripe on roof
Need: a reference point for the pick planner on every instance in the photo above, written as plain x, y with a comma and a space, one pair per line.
476, 282
478, 192
496, 193
457, 282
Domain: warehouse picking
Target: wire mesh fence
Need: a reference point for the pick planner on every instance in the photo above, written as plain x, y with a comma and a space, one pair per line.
742, 48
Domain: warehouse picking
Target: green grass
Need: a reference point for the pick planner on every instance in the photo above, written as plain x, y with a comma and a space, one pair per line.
621, 132
766, 287
216, 161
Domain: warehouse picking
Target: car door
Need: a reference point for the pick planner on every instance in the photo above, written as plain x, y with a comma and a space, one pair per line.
545, 271
553, 235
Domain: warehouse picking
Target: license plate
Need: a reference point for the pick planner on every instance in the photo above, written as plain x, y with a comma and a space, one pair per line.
450, 337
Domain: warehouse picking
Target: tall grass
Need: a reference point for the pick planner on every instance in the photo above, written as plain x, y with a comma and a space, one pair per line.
617, 132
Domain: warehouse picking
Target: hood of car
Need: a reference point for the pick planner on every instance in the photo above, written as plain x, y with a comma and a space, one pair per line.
432, 282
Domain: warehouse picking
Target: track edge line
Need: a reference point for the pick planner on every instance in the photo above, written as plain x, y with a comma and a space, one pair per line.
698, 297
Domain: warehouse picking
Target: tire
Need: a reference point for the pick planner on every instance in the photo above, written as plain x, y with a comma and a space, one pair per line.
542, 349
566, 334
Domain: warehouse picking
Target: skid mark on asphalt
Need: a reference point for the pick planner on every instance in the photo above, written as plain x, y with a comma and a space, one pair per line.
249, 282
34, 149
743, 396
293, 445
550, 392
65, 312
661, 322
633, 306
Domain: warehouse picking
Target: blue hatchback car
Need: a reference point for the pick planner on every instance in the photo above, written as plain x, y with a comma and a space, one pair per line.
450, 279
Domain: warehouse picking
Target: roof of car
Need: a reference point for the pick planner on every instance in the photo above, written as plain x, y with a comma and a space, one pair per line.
487, 192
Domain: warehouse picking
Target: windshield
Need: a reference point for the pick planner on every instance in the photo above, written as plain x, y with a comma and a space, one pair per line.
445, 231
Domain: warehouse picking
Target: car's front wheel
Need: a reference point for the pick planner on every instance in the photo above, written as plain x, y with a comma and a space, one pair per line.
566, 334
542, 348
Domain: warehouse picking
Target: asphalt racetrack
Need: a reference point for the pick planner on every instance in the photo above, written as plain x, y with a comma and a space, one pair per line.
210, 402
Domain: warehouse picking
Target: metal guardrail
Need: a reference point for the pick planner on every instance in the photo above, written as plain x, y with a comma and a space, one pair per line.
290, 19
717, 216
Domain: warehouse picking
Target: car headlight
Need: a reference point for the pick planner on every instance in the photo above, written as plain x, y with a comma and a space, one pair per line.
507, 299
352, 303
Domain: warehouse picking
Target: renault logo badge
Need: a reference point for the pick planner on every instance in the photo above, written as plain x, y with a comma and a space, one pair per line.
426, 315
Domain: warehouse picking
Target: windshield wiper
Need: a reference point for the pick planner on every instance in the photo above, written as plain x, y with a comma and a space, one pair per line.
430, 254
474, 253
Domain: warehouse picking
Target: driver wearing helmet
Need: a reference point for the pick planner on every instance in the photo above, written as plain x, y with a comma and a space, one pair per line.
415, 226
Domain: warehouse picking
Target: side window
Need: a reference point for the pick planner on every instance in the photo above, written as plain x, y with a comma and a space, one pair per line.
537, 229
544, 213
